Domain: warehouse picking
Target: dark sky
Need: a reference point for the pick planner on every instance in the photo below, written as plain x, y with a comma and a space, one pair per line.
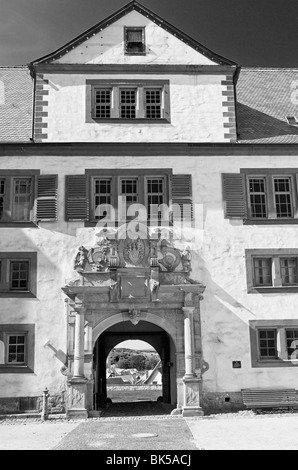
249, 32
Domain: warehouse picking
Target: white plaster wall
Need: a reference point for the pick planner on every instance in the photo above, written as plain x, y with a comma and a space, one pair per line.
195, 108
107, 46
218, 261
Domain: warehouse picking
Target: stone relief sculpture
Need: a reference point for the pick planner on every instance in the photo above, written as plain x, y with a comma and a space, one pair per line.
174, 263
134, 316
81, 259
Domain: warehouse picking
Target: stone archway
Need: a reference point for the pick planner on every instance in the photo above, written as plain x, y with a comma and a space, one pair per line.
110, 289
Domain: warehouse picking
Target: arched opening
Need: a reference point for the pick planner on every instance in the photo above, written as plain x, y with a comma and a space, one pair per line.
134, 373
151, 333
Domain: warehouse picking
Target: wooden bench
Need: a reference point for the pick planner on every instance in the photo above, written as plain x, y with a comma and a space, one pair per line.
270, 398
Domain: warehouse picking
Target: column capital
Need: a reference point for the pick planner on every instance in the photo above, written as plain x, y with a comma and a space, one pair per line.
188, 310
79, 306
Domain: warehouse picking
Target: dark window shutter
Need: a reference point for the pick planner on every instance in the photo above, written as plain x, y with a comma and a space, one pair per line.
234, 196
76, 204
46, 197
182, 197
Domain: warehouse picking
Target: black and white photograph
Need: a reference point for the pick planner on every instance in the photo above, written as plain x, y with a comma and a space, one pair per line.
148, 228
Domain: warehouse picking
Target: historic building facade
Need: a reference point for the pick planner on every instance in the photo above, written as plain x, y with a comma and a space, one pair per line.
148, 190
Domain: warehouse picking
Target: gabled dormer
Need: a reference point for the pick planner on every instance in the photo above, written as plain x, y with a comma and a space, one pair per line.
134, 77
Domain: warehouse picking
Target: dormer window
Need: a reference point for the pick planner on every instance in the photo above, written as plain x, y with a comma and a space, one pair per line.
292, 120
134, 40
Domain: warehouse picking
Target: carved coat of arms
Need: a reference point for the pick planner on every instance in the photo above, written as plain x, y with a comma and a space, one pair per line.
134, 251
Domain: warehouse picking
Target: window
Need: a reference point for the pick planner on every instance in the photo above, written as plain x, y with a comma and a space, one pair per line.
87, 194
280, 206
274, 343
262, 271
292, 120
267, 344
155, 197
127, 100
137, 189
17, 348
153, 104
270, 271
102, 103
18, 274
283, 197
19, 190
134, 41
257, 195
262, 196
289, 271
292, 343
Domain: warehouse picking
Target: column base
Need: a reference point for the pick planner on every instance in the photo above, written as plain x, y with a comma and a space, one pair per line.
176, 411
192, 412
77, 398
191, 405
77, 414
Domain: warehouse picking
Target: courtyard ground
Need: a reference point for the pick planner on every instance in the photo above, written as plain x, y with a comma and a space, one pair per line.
238, 431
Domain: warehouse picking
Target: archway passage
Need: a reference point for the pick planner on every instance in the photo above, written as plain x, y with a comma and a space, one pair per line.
145, 331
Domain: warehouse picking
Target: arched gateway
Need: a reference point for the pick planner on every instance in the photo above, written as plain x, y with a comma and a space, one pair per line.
137, 287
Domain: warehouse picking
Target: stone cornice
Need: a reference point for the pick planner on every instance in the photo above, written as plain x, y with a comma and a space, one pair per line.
109, 149
84, 69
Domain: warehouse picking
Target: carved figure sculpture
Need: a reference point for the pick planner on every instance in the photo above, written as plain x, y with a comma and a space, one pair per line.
81, 259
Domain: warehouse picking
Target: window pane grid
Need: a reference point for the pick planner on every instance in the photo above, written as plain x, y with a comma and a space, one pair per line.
19, 275
128, 104
257, 197
283, 200
103, 104
22, 199
292, 344
262, 271
267, 344
288, 268
16, 349
155, 196
129, 189
102, 193
153, 104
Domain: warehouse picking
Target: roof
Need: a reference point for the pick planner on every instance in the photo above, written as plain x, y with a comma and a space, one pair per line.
134, 5
264, 98
16, 104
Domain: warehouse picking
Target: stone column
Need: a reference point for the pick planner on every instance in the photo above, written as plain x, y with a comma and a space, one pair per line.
78, 363
191, 406
188, 342
77, 391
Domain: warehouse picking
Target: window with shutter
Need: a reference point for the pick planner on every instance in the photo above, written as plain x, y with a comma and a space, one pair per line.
77, 198
27, 197
234, 196
120, 189
46, 201
182, 198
